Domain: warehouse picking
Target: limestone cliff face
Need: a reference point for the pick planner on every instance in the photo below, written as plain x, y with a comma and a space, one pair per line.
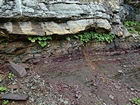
61, 17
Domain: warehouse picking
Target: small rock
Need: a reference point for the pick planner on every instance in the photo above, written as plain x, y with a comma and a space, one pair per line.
132, 89
11, 96
120, 71
117, 86
124, 66
111, 96
13, 86
17, 69
66, 102
90, 94
78, 95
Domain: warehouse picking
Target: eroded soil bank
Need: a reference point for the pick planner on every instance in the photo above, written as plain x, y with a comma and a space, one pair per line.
83, 77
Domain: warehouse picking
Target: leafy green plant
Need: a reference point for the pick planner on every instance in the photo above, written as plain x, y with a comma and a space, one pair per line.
68, 38
135, 101
104, 37
87, 36
5, 102
2, 88
10, 75
41, 40
132, 26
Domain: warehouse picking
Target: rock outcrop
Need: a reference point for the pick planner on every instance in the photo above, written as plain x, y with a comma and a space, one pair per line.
60, 17
20, 18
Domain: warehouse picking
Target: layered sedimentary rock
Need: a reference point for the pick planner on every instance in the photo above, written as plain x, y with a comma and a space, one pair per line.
21, 18
61, 17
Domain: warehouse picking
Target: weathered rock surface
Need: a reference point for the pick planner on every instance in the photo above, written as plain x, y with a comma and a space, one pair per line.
17, 69
50, 28
59, 17
57, 11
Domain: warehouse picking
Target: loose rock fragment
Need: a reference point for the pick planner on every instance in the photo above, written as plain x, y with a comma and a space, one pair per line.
11, 96
111, 96
17, 69
13, 86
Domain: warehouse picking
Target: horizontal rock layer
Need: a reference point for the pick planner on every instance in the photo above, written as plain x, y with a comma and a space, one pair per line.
50, 28
50, 11
21, 51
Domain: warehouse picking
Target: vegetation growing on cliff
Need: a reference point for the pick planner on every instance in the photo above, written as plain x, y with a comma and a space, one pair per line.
133, 27
87, 36
83, 37
43, 41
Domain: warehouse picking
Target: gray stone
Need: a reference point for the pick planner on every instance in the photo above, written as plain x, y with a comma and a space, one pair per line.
111, 97
120, 30
17, 69
116, 19
42, 6
10, 96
